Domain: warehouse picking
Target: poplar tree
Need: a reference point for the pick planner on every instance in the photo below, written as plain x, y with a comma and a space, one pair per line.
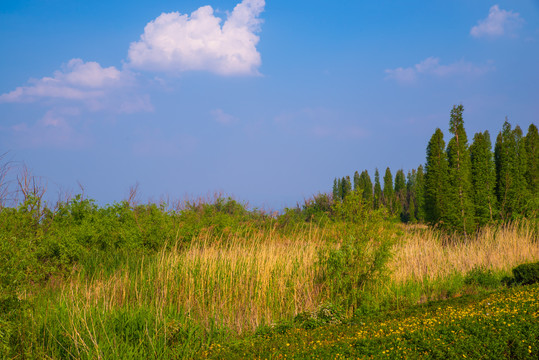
365, 184
436, 182
377, 190
483, 178
420, 194
461, 209
388, 195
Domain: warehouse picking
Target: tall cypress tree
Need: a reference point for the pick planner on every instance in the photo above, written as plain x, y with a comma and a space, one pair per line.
532, 171
436, 179
410, 204
483, 178
388, 194
400, 193
522, 190
420, 194
461, 209
346, 186
336, 190
377, 190
504, 155
511, 168
356, 181
365, 184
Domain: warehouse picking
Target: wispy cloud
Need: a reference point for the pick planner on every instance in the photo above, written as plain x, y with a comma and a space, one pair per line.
175, 42
498, 23
223, 118
53, 130
320, 123
432, 67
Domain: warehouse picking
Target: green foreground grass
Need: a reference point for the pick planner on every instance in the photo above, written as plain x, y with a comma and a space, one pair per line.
503, 324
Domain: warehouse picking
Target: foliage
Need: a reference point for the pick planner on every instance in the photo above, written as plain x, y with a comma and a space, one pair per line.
360, 259
460, 213
499, 325
436, 180
481, 276
378, 197
365, 184
526, 274
483, 178
511, 187
388, 193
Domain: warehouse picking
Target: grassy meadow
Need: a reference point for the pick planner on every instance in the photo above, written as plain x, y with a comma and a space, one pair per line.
209, 278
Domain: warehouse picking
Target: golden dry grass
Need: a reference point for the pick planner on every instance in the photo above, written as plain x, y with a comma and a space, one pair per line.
262, 277
238, 284
425, 254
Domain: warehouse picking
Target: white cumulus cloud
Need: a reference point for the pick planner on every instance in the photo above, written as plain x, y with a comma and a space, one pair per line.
498, 23
431, 66
176, 42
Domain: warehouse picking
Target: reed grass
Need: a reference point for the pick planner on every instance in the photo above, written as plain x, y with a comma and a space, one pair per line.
424, 254
237, 284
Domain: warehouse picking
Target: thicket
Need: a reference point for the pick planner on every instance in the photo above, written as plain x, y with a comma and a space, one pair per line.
461, 187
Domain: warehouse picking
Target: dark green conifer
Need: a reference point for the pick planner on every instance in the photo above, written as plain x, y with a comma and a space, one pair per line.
400, 193
461, 210
356, 181
388, 194
336, 190
346, 185
377, 190
365, 184
436, 179
532, 168
522, 189
420, 194
511, 168
483, 178
409, 205
532, 152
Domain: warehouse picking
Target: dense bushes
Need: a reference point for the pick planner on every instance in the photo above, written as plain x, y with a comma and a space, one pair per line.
526, 274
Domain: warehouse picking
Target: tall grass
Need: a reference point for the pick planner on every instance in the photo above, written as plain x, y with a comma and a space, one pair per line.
175, 302
424, 254
237, 284
242, 282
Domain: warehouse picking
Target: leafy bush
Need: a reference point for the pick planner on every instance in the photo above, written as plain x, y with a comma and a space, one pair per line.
526, 274
480, 276
327, 314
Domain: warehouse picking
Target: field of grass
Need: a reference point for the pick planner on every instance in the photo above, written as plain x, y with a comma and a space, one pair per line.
500, 325
209, 280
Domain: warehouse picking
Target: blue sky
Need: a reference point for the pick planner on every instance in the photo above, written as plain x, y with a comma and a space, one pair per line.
265, 101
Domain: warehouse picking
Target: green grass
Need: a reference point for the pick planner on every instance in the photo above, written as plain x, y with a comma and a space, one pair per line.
499, 325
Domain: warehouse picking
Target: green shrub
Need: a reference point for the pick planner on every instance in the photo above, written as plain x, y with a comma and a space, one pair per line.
480, 276
526, 274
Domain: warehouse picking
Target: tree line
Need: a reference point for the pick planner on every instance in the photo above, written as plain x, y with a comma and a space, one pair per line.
461, 186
